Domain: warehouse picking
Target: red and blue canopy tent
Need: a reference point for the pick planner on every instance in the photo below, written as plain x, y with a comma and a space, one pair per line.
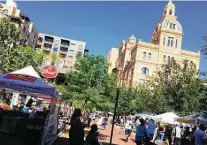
27, 81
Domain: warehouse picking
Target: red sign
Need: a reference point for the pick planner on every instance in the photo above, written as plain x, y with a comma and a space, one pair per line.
49, 72
20, 77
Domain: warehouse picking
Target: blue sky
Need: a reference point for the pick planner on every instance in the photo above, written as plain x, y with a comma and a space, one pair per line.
103, 25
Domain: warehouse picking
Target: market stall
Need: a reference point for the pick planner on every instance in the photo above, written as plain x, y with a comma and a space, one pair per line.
168, 117
27, 124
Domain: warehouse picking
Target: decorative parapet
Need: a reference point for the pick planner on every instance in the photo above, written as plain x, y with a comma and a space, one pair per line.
190, 53
148, 45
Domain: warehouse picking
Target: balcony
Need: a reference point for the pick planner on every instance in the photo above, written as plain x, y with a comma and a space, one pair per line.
63, 50
62, 54
38, 46
40, 39
65, 43
49, 40
47, 47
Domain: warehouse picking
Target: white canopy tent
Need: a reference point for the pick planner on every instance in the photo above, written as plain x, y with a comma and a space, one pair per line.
168, 117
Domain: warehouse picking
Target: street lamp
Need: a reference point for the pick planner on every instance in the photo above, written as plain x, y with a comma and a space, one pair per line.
116, 104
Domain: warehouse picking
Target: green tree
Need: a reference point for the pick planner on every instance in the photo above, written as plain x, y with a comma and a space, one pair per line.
13, 56
90, 81
29, 56
9, 38
179, 87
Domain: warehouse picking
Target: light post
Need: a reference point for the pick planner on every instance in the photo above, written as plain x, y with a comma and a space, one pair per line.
115, 106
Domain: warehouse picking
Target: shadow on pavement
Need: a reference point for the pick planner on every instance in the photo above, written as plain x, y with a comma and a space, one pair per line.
123, 139
62, 141
104, 143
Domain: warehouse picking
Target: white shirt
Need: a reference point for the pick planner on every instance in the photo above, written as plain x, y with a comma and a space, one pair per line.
177, 132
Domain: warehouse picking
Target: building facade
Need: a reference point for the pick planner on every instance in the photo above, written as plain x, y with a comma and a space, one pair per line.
136, 60
29, 33
67, 50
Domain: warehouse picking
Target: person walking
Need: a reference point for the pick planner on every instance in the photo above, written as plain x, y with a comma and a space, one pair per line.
200, 135
128, 127
141, 132
177, 135
76, 132
151, 128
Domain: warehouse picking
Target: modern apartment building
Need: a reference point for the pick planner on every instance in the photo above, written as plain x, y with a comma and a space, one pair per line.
136, 60
66, 48
29, 32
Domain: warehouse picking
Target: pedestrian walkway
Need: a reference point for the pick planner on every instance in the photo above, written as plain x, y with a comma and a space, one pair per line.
118, 137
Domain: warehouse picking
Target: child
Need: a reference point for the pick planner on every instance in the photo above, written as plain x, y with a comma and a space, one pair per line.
92, 137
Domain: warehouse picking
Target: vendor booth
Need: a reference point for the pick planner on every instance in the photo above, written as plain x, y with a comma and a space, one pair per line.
25, 122
168, 117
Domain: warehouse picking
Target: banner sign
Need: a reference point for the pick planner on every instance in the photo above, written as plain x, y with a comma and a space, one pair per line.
20, 77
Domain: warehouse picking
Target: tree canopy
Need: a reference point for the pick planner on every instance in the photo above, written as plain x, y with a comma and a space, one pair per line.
90, 81
13, 56
175, 87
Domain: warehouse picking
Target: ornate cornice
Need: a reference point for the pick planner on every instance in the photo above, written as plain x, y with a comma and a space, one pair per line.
148, 45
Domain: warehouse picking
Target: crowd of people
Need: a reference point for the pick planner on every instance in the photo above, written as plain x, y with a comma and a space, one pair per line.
147, 131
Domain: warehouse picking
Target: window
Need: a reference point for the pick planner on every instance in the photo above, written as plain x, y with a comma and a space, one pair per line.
55, 49
71, 50
38, 46
168, 58
40, 39
164, 41
144, 55
49, 39
176, 43
170, 42
5, 12
145, 71
171, 25
48, 46
149, 56
65, 42
174, 26
65, 49
170, 12
164, 58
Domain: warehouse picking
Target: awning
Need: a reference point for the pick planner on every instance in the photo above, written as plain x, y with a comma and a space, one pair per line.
27, 81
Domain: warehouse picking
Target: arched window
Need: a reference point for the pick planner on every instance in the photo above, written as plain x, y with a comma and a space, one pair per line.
145, 71
149, 56
5, 12
144, 55
170, 12
168, 58
164, 41
164, 58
